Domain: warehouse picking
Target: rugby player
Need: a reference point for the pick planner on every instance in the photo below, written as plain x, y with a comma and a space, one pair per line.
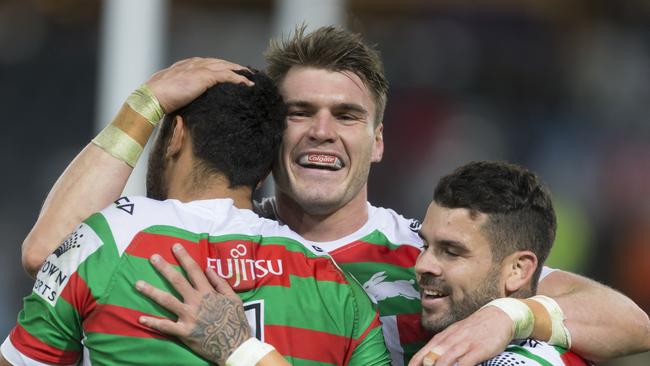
486, 234
336, 92
208, 157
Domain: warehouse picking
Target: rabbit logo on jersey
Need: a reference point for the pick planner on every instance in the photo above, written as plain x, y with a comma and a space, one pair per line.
241, 271
378, 289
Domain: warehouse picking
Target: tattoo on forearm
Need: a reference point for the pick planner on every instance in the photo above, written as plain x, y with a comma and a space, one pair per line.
221, 327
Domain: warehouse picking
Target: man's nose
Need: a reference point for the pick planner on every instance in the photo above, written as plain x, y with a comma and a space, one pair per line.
323, 127
427, 263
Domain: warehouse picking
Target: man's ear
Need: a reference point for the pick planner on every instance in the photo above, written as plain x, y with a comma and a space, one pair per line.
176, 139
378, 146
519, 267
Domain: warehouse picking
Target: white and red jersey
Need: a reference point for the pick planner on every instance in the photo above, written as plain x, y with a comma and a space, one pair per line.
381, 255
84, 304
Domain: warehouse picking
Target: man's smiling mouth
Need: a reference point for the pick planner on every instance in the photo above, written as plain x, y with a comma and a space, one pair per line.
320, 161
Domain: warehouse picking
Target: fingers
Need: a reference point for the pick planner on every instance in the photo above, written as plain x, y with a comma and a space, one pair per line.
218, 71
430, 358
174, 277
165, 326
470, 341
162, 298
451, 356
221, 285
194, 272
208, 62
217, 64
185, 80
228, 76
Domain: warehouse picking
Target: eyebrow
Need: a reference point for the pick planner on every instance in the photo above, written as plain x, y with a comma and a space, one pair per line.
445, 243
299, 103
453, 244
352, 107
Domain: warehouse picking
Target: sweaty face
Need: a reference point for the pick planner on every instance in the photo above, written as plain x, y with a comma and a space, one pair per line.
330, 140
455, 271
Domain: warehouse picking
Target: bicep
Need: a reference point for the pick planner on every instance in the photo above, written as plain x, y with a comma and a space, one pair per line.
92, 181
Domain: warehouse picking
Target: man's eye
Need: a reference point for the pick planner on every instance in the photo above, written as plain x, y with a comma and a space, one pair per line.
450, 253
347, 117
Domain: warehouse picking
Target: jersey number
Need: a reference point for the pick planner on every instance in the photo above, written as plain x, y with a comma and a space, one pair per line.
254, 311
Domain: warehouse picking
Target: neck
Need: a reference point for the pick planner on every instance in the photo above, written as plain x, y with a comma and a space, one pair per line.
189, 187
241, 196
334, 225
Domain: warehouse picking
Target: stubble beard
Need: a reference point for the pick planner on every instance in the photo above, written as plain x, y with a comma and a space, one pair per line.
484, 293
156, 185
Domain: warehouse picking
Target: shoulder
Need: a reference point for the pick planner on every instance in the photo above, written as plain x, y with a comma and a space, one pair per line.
128, 216
395, 227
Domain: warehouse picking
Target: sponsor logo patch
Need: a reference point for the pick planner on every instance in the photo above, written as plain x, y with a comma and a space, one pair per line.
236, 264
323, 159
55, 273
70, 242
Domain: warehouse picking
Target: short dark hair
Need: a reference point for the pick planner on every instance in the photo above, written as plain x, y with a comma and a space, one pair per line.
518, 205
236, 130
334, 49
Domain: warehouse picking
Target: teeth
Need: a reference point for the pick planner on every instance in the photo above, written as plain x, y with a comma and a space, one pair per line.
432, 293
322, 160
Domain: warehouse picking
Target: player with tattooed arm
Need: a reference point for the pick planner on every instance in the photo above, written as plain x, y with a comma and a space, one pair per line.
88, 303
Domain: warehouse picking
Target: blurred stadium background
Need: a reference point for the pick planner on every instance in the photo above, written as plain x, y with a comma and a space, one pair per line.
559, 86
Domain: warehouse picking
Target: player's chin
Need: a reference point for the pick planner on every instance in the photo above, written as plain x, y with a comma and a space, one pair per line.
318, 200
434, 324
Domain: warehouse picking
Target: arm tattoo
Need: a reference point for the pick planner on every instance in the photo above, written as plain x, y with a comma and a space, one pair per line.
221, 327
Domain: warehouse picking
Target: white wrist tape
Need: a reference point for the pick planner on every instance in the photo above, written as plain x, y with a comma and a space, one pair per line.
249, 353
559, 333
522, 317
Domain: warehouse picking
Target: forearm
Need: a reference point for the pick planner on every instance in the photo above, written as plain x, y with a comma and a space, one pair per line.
91, 181
603, 323
97, 176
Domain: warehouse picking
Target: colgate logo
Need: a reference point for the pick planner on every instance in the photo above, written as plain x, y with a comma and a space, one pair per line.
239, 270
326, 159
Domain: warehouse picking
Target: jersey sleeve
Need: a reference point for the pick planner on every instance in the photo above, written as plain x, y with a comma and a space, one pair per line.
49, 328
369, 345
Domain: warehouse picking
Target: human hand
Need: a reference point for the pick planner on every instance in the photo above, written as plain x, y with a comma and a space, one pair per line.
211, 321
468, 342
185, 80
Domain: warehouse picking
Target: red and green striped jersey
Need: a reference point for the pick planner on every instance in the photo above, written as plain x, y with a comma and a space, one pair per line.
530, 352
381, 255
84, 304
